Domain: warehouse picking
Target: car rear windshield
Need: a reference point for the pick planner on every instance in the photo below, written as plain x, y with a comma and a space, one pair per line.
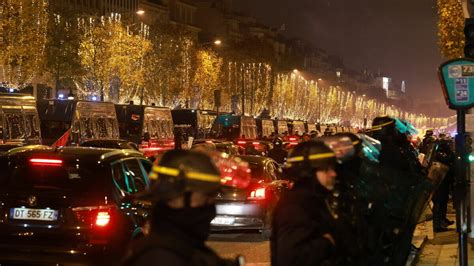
78, 177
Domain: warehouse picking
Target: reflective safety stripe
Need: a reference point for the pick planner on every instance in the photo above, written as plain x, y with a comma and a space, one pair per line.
153, 176
190, 175
355, 142
312, 157
379, 127
166, 170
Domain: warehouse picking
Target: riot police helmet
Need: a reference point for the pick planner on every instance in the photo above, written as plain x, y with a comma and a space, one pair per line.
178, 172
307, 157
277, 141
429, 133
356, 141
382, 126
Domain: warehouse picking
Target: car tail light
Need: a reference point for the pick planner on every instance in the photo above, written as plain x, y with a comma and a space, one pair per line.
256, 143
257, 194
94, 216
241, 142
292, 139
46, 162
102, 219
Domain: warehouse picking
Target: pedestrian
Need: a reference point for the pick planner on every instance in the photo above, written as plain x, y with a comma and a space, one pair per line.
185, 184
278, 153
328, 132
178, 138
306, 227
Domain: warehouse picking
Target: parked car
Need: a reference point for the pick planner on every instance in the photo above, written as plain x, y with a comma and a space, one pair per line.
251, 208
254, 147
64, 205
111, 144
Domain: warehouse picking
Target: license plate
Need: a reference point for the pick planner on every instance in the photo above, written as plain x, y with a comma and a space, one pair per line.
33, 214
223, 221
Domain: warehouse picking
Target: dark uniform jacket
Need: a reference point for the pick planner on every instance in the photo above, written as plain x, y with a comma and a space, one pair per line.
278, 154
168, 245
301, 218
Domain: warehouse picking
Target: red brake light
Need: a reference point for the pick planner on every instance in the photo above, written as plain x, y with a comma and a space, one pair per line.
46, 162
257, 194
94, 216
241, 142
292, 139
256, 143
102, 219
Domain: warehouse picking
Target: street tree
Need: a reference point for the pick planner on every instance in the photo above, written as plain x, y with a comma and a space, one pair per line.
23, 38
206, 77
62, 60
170, 66
450, 28
109, 52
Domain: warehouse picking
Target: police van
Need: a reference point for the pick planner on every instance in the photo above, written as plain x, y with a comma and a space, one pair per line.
235, 127
194, 122
150, 127
74, 121
19, 121
265, 128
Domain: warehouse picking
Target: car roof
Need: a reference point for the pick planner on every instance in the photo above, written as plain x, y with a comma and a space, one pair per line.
84, 153
253, 158
106, 141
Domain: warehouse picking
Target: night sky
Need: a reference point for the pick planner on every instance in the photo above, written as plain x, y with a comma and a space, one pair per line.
397, 37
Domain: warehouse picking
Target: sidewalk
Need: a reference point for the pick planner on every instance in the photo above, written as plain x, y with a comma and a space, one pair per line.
440, 249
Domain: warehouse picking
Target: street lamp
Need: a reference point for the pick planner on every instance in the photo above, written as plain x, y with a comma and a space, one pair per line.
216, 42
140, 12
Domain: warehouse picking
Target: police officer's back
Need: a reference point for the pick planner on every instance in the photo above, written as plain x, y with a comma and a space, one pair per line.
185, 184
278, 153
305, 226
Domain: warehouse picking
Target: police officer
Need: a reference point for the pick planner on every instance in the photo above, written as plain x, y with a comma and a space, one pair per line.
306, 227
397, 151
443, 154
428, 140
408, 190
278, 153
185, 184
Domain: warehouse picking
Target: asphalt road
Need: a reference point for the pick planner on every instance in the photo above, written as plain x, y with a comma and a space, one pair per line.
255, 250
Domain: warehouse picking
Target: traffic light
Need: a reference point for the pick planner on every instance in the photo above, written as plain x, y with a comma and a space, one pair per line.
471, 158
469, 38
